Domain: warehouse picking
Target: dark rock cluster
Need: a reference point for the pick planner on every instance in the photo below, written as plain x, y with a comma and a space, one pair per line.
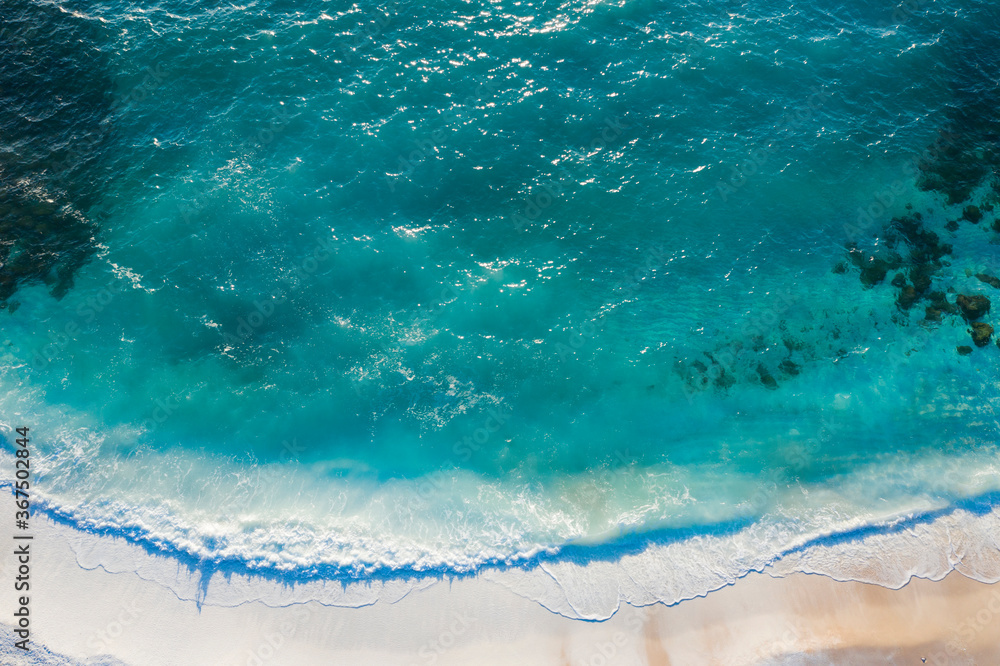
918, 256
55, 98
40, 242
981, 333
973, 307
963, 165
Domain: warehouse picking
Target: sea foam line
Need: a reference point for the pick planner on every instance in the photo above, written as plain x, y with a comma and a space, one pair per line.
587, 582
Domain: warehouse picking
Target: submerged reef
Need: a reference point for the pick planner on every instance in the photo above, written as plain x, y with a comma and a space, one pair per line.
904, 255
54, 122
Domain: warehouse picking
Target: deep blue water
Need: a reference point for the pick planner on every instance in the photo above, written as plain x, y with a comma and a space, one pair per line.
392, 287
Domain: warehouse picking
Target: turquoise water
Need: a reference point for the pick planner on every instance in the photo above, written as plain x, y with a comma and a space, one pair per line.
387, 288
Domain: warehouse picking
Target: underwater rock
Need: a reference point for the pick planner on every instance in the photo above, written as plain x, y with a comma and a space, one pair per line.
981, 333
939, 302
873, 269
907, 297
724, 380
840, 268
989, 279
692, 380
921, 276
964, 350
924, 245
874, 273
789, 367
952, 225
765, 377
793, 345
955, 168
973, 307
932, 313
972, 214
899, 280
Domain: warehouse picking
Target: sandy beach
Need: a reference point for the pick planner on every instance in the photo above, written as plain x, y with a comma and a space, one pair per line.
92, 616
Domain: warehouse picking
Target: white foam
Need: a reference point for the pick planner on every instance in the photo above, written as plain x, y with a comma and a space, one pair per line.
959, 540
819, 532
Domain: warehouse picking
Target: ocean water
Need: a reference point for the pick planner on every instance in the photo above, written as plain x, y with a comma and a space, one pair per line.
340, 291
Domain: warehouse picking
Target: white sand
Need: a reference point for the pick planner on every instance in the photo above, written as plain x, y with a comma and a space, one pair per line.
811, 619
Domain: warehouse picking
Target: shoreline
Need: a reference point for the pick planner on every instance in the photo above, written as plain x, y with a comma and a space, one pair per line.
792, 552
90, 614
